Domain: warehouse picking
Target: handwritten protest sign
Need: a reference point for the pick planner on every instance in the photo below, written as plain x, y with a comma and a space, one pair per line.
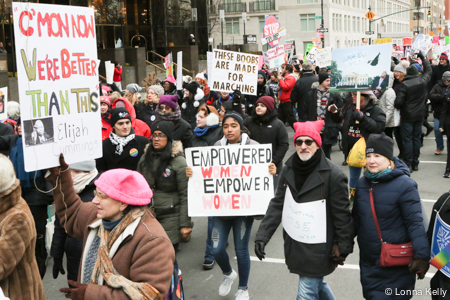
109, 70
323, 57
234, 71
422, 43
209, 62
3, 101
229, 181
361, 68
312, 53
276, 56
305, 222
179, 70
57, 69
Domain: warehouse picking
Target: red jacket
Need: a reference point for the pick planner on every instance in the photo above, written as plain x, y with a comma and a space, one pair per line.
117, 74
140, 127
286, 86
106, 128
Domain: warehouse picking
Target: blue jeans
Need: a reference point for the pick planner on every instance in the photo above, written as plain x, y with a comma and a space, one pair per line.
355, 173
439, 136
209, 243
411, 134
242, 227
311, 288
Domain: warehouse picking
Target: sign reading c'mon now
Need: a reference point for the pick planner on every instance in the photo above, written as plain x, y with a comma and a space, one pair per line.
271, 27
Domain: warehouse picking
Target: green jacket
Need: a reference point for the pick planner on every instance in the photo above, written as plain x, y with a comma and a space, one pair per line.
170, 193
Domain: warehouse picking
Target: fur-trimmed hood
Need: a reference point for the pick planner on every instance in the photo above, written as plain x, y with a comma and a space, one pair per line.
315, 85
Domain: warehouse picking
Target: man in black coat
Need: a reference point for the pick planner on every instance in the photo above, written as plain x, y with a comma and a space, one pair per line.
309, 179
438, 71
301, 89
123, 148
380, 83
411, 97
320, 93
439, 93
6, 129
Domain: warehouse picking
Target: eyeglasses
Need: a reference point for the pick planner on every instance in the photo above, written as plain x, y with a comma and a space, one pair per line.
163, 107
100, 196
159, 136
299, 142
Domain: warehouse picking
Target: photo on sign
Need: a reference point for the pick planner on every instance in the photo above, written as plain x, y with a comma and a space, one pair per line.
362, 68
3, 102
38, 132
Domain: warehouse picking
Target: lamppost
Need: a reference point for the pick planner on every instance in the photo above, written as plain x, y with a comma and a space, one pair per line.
321, 25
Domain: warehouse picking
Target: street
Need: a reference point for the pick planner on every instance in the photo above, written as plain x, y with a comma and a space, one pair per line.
270, 279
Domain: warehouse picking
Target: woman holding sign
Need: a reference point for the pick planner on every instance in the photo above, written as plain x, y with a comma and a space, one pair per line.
233, 124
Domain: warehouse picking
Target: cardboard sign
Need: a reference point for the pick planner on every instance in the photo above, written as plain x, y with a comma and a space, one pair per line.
150, 80
276, 57
305, 222
234, 71
312, 54
3, 102
109, 69
363, 68
422, 43
229, 180
57, 68
179, 70
323, 57
383, 41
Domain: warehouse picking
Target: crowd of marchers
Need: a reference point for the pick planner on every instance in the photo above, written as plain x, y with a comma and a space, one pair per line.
121, 218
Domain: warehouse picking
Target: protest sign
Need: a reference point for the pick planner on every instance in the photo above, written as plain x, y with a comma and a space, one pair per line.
3, 102
271, 31
179, 70
312, 54
447, 40
150, 80
57, 68
209, 62
383, 41
308, 48
109, 70
276, 57
260, 62
323, 57
440, 241
422, 43
234, 71
289, 47
229, 181
361, 68
168, 64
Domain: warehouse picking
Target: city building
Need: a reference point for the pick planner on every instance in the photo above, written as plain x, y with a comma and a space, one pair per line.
344, 19
430, 17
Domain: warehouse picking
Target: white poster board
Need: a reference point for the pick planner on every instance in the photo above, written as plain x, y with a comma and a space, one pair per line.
57, 69
234, 71
423, 43
179, 70
276, 56
312, 54
323, 57
209, 62
3, 102
305, 222
229, 180
109, 70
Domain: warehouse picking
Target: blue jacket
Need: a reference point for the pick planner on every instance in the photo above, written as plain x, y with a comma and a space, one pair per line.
399, 213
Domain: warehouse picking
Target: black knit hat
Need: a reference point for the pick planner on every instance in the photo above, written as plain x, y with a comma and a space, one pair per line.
380, 144
117, 114
236, 116
323, 76
165, 127
192, 87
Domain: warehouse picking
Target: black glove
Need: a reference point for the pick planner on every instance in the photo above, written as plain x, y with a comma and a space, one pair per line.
237, 96
58, 267
358, 115
419, 266
420, 55
259, 249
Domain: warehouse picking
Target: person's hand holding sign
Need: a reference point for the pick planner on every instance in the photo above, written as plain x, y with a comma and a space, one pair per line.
186, 233
188, 171
272, 169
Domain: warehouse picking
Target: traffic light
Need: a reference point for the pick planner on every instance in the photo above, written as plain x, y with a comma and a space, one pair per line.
429, 14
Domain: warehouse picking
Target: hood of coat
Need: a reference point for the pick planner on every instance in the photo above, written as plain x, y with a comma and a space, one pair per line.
10, 197
315, 85
128, 107
177, 148
400, 169
266, 118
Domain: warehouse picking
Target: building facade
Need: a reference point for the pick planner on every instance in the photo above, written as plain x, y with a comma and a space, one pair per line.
430, 17
344, 19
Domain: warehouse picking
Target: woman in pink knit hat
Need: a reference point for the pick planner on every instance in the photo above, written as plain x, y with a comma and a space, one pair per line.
126, 250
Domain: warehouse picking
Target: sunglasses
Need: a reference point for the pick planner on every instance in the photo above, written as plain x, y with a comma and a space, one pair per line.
159, 136
299, 142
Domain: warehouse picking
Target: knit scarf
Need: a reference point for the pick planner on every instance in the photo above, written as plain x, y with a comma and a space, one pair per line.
16, 156
104, 265
202, 131
119, 141
374, 176
169, 116
80, 181
243, 141
302, 169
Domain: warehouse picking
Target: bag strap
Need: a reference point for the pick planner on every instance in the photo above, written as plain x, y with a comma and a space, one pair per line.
375, 215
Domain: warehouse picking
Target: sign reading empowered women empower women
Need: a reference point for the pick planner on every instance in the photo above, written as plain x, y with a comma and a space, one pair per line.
57, 71
233, 71
229, 180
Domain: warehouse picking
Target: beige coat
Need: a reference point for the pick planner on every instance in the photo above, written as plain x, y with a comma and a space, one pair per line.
142, 253
19, 273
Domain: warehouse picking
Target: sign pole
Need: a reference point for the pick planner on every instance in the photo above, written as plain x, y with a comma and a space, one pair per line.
321, 25
370, 28
358, 103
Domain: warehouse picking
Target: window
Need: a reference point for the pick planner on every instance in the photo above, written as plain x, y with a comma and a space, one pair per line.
262, 20
354, 23
306, 1
359, 25
232, 25
345, 24
340, 22
334, 22
307, 22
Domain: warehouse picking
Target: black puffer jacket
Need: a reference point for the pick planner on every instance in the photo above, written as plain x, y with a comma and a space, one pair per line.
439, 93
374, 121
331, 128
436, 76
208, 139
412, 94
6, 129
189, 109
268, 129
326, 181
73, 247
300, 91
146, 112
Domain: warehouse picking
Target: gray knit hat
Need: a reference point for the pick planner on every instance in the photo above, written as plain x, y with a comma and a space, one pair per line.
400, 68
446, 75
133, 88
159, 90
86, 166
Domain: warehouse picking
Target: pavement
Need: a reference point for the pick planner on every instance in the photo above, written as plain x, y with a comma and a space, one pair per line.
270, 279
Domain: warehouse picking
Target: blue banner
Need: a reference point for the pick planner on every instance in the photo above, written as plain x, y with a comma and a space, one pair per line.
441, 237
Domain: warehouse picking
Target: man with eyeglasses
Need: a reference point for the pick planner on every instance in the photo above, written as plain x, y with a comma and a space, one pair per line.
310, 184
123, 148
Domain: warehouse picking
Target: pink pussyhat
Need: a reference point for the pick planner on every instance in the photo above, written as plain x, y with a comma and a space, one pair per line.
126, 186
309, 128
171, 79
